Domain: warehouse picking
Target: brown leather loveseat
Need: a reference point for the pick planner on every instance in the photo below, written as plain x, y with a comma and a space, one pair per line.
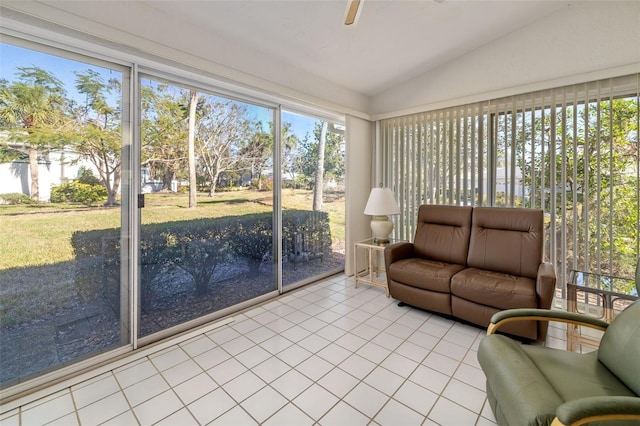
470, 263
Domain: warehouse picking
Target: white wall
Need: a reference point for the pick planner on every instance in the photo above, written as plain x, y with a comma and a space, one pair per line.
585, 41
359, 138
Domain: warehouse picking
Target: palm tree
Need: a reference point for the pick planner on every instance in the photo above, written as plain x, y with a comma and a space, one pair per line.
32, 112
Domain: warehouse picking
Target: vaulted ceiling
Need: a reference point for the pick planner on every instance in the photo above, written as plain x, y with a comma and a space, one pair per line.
392, 41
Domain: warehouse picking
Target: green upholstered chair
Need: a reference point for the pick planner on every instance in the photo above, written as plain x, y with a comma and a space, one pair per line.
536, 385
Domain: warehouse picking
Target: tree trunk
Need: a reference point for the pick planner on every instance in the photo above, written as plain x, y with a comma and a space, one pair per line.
33, 169
318, 191
193, 101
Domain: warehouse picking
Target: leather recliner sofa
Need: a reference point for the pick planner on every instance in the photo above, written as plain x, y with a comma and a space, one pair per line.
470, 263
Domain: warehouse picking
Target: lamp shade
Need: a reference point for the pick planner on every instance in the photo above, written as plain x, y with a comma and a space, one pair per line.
381, 203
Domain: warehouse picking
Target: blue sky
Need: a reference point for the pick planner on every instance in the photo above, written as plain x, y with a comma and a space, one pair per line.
12, 57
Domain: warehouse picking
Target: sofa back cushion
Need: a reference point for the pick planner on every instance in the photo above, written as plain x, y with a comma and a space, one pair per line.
619, 348
442, 233
507, 240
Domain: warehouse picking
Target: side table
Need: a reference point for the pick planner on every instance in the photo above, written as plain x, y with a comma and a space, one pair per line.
601, 296
374, 251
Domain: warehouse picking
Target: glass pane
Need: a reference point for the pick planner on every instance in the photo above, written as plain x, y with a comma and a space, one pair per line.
313, 203
62, 295
207, 223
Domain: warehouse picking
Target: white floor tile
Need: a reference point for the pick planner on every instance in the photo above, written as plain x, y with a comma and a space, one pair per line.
253, 356
146, 389
384, 380
291, 384
334, 354
430, 379
126, 418
315, 401
131, 374
226, 371
181, 372
244, 386
101, 411
85, 395
294, 355
373, 352
158, 408
41, 412
211, 406
357, 366
264, 403
211, 358
289, 415
416, 397
235, 416
343, 414
447, 413
168, 358
465, 395
394, 413
271, 369
366, 399
314, 367
181, 417
195, 388
338, 382
198, 345
399, 364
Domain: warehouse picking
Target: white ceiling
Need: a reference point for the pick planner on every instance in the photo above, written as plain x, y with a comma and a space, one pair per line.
393, 40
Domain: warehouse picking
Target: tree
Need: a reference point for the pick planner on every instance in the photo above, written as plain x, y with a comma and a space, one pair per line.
308, 157
258, 151
163, 132
32, 111
97, 134
598, 157
221, 134
193, 103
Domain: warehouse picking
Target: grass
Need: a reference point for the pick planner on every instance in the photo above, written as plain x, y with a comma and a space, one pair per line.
36, 235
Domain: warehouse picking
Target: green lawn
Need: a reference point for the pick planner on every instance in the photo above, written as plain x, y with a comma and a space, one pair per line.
35, 235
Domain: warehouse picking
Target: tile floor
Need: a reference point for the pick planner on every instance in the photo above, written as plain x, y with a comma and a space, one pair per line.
326, 354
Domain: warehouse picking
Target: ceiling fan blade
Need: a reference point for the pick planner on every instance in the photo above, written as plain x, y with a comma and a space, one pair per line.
352, 11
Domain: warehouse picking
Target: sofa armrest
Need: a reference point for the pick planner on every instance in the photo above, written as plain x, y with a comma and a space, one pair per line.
596, 409
545, 284
527, 314
397, 251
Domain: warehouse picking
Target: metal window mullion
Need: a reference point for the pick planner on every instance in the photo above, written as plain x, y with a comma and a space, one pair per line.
512, 183
612, 178
598, 180
553, 184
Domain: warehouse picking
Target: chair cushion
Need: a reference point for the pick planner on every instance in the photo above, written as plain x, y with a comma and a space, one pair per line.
423, 273
494, 289
620, 347
530, 382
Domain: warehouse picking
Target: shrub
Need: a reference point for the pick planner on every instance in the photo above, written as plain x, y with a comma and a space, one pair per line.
16, 198
78, 192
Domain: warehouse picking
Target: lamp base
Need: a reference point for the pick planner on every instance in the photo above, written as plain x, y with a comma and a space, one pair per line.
381, 228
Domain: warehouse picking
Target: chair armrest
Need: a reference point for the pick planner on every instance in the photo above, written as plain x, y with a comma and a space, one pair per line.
598, 408
545, 284
527, 314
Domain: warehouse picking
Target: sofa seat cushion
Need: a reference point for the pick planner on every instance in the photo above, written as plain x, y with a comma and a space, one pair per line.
496, 289
424, 273
531, 382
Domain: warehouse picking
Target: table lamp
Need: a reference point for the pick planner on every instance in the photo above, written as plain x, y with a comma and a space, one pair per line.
380, 205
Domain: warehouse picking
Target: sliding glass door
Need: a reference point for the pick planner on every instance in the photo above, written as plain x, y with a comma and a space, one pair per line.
313, 198
64, 259
207, 204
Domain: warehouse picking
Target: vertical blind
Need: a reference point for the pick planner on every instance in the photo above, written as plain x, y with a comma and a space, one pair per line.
571, 151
